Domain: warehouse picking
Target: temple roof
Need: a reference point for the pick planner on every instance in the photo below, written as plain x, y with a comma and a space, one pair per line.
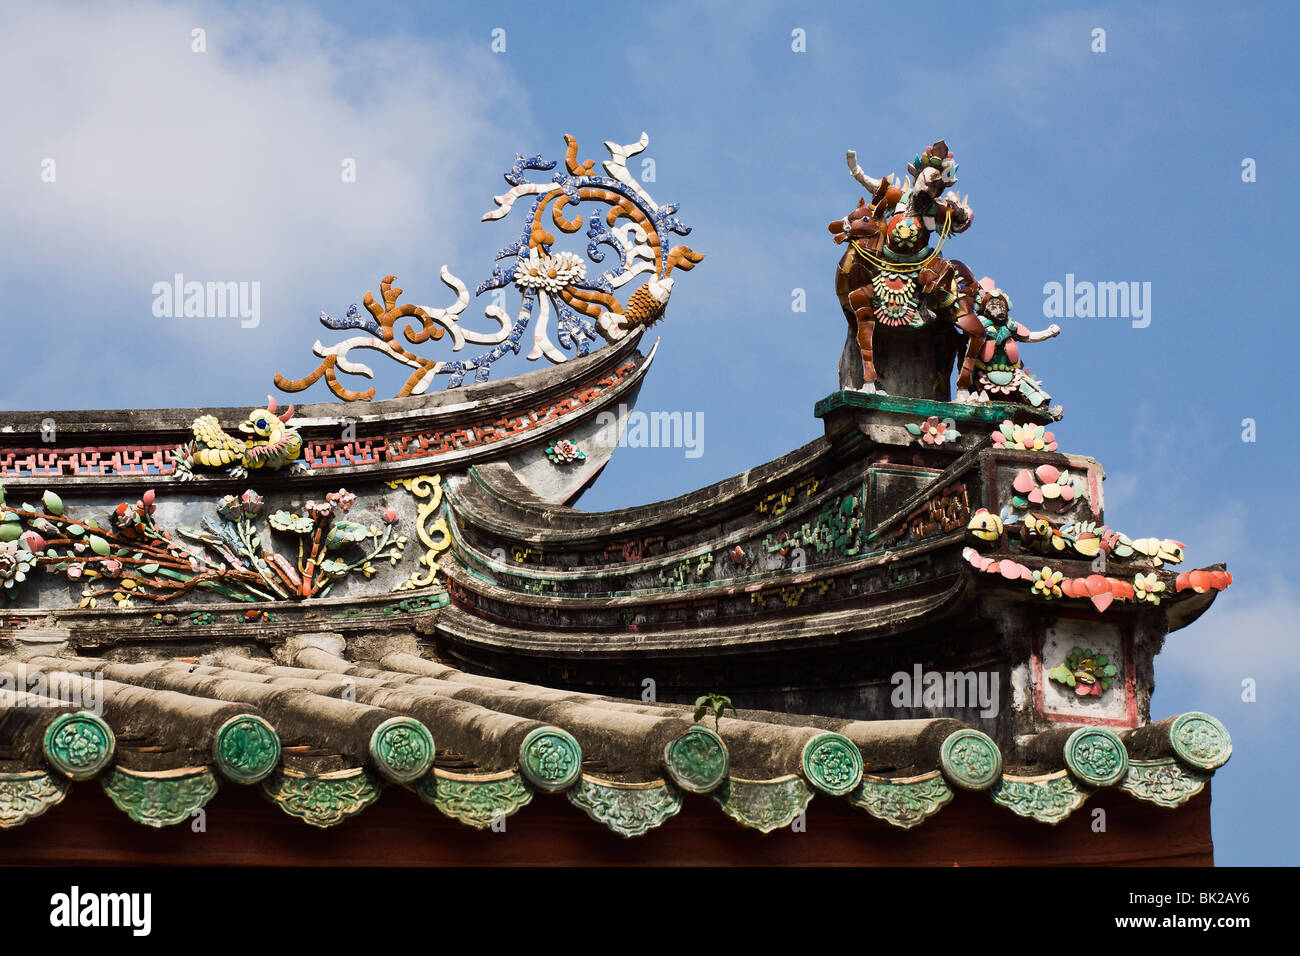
322, 735
130, 450
447, 623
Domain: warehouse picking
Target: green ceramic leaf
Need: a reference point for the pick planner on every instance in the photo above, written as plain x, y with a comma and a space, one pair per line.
1110, 670
914, 429
53, 503
99, 546
1102, 660
75, 530
148, 568
9, 531
284, 521
345, 532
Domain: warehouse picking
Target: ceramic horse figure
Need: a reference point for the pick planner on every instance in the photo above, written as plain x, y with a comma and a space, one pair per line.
889, 275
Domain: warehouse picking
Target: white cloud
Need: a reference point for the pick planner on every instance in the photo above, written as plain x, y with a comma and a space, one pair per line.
225, 165
1218, 534
1250, 631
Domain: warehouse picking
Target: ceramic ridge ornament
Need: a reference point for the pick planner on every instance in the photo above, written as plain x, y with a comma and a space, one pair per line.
1000, 375
890, 276
552, 283
271, 443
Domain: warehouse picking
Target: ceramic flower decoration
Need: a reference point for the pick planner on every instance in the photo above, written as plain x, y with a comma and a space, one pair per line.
1088, 672
1148, 587
933, 431
1045, 485
1023, 437
1047, 583
564, 452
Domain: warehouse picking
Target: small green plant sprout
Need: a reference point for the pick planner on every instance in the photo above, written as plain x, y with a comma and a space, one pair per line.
715, 704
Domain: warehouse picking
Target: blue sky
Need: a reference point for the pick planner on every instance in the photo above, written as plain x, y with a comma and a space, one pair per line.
1117, 166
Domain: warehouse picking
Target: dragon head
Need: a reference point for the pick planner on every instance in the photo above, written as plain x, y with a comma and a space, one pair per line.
266, 423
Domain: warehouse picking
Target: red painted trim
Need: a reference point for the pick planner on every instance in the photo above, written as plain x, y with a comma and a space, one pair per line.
1094, 492
154, 460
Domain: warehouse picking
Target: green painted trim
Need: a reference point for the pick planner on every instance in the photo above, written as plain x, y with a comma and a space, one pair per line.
904, 803
417, 604
488, 573
475, 801
26, 795
698, 760
764, 805
160, 799
1096, 756
630, 810
410, 605
970, 759
993, 413
550, 759
323, 801
79, 745
402, 749
1166, 783
832, 764
1200, 741
1048, 799
246, 748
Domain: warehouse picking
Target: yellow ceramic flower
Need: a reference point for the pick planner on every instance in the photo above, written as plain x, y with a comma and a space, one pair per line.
1047, 583
1147, 587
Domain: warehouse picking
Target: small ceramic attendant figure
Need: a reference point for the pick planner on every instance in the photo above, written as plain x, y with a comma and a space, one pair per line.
999, 373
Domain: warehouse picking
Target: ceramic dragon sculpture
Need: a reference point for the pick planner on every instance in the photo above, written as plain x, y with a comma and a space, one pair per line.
271, 443
557, 287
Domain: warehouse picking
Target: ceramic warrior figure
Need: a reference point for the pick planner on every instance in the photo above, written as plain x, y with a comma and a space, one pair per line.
890, 276
1000, 376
